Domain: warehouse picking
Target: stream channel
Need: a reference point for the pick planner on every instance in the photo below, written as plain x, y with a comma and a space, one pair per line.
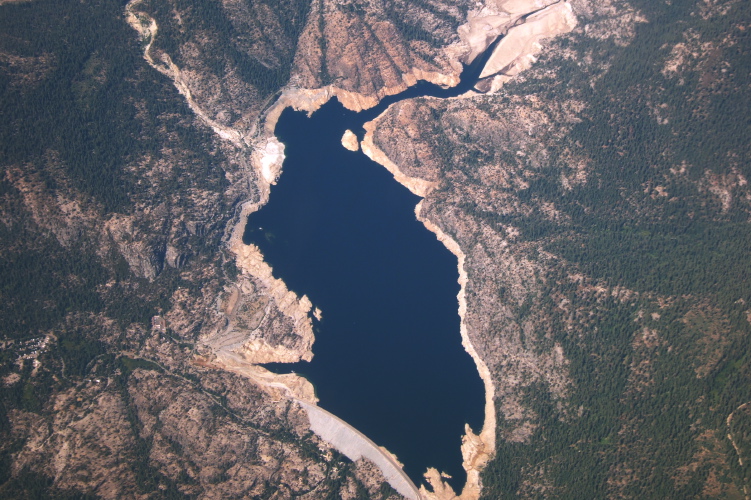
338, 228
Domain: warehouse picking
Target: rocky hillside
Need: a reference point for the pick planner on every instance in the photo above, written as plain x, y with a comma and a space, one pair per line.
602, 202
116, 195
598, 193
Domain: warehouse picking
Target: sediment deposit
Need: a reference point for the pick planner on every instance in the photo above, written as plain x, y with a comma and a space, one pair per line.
516, 51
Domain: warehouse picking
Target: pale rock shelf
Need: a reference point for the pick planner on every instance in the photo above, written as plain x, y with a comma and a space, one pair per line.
250, 260
349, 141
267, 159
417, 186
476, 449
483, 26
286, 386
309, 100
543, 19
518, 49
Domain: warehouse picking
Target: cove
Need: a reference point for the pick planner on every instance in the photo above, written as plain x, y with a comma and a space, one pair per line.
388, 357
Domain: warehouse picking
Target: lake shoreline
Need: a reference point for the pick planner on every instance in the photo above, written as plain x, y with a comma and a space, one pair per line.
476, 449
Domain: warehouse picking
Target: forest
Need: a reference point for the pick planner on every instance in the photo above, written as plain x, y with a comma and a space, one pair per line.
686, 251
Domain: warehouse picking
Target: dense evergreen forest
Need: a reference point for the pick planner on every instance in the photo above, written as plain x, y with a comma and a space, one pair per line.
77, 131
82, 112
686, 251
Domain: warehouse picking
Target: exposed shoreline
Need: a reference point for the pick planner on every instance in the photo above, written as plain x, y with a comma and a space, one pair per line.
477, 449
310, 100
266, 159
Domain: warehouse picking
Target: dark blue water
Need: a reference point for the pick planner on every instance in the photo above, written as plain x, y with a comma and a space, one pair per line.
388, 354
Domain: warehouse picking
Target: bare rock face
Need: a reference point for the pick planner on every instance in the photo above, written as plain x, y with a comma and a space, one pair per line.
267, 160
535, 189
173, 257
517, 50
332, 62
349, 141
146, 259
494, 19
487, 264
107, 405
371, 49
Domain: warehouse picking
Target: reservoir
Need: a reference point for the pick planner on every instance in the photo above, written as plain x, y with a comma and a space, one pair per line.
388, 357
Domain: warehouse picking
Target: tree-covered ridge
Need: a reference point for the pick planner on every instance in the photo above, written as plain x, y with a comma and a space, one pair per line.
664, 214
602, 201
603, 205
75, 144
114, 203
235, 55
